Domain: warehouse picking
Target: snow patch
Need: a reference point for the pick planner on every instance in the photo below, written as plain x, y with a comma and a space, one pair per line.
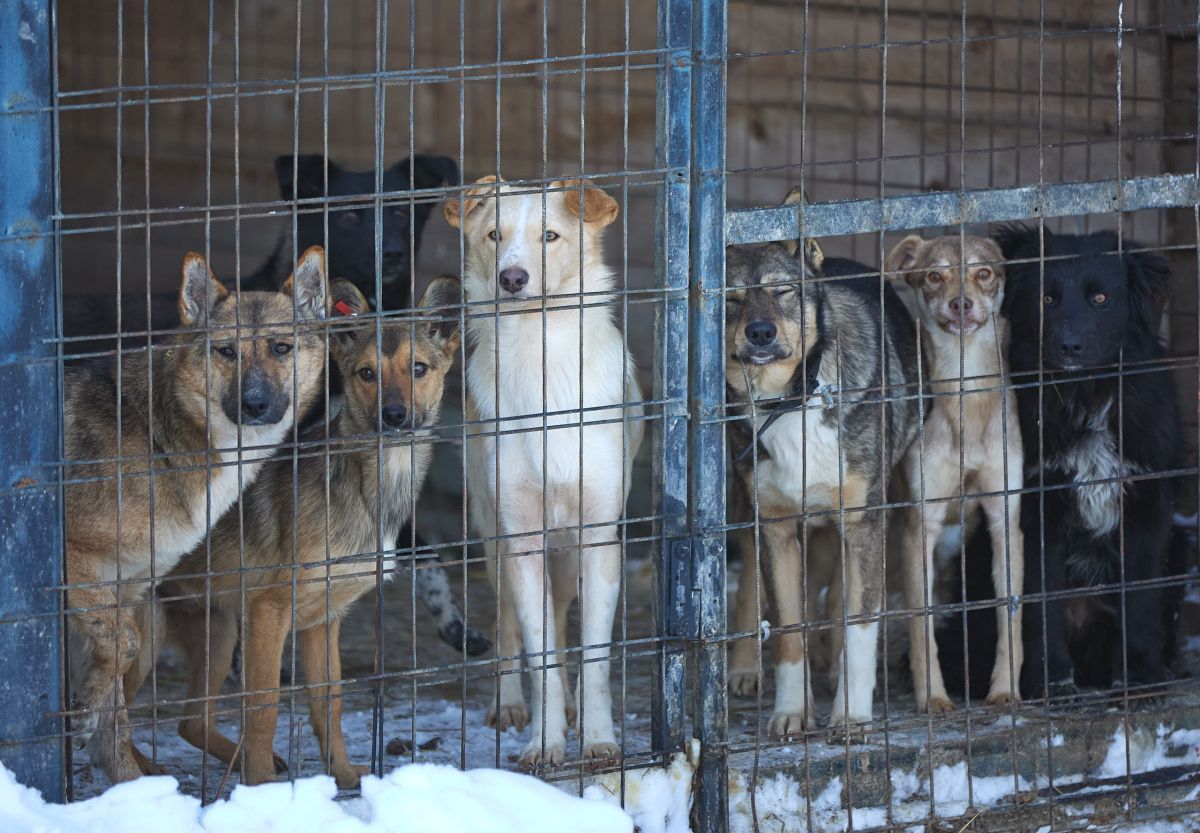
1148, 752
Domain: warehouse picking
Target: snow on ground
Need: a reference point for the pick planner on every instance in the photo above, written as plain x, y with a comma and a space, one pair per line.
413, 797
1147, 752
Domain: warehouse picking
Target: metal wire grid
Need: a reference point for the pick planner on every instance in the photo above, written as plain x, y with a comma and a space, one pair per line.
691, 62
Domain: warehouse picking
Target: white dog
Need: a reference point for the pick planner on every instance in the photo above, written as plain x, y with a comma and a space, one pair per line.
553, 385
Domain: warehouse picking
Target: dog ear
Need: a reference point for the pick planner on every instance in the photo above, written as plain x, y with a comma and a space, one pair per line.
345, 301
199, 293
307, 284
429, 171
903, 257
794, 195
1148, 281
587, 201
814, 257
441, 301
469, 200
307, 176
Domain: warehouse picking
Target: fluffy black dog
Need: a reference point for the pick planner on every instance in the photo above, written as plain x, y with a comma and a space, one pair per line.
1097, 435
349, 249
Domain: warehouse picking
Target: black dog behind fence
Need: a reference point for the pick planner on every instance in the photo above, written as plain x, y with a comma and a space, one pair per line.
903, 299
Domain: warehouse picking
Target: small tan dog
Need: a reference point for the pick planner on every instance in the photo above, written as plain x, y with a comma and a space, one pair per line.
965, 345
560, 408
310, 581
191, 425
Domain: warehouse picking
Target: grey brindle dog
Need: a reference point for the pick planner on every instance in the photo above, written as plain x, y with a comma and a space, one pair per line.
824, 373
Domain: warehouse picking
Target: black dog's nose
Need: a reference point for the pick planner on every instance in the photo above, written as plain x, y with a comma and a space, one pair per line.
393, 415
254, 404
514, 280
760, 333
960, 305
1070, 347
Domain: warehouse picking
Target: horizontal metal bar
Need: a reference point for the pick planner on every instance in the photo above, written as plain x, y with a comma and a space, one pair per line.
950, 208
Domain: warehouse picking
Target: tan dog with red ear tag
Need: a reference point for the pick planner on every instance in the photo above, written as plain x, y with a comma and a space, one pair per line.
959, 285
551, 371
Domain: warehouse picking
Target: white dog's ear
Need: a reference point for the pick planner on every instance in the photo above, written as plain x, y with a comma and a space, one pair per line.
457, 208
904, 257
585, 201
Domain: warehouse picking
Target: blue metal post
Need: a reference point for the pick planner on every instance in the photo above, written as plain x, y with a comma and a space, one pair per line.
31, 735
671, 378
707, 458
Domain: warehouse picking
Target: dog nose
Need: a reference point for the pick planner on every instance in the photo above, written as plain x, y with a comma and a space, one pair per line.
394, 260
393, 415
254, 404
760, 333
1070, 347
514, 280
960, 305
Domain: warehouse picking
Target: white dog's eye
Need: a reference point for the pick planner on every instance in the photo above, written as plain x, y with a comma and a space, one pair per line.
494, 235
550, 236
934, 276
983, 274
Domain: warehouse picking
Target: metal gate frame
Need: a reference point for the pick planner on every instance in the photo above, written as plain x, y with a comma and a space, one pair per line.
692, 230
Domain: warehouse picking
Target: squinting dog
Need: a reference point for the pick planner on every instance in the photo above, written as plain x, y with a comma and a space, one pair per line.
822, 377
308, 535
144, 487
958, 284
528, 378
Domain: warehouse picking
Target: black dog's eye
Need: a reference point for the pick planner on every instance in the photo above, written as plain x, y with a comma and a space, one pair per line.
494, 235
419, 369
349, 219
1099, 299
550, 236
366, 374
225, 351
281, 348
1048, 300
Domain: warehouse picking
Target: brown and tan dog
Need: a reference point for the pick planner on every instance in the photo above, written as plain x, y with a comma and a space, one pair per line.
309, 536
158, 448
959, 286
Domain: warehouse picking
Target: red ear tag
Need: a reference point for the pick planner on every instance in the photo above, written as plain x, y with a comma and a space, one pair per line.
343, 308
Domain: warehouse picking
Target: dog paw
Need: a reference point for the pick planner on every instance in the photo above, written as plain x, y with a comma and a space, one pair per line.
1001, 699
843, 733
513, 715
601, 753
938, 705
280, 764
538, 755
743, 683
349, 778
790, 723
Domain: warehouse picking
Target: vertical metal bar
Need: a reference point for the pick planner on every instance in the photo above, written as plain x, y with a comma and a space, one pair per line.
707, 440
30, 498
671, 261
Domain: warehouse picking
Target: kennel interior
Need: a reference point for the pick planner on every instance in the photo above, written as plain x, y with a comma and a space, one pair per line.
137, 131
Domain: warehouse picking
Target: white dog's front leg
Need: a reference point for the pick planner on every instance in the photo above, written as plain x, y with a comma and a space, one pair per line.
524, 575
601, 588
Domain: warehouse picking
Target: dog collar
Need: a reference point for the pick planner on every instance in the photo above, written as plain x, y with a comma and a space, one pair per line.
795, 398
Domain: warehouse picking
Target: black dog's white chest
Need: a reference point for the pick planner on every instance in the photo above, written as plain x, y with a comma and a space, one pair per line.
1093, 463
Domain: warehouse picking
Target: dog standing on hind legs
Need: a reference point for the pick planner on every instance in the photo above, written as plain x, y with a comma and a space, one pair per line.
958, 284
184, 428
528, 378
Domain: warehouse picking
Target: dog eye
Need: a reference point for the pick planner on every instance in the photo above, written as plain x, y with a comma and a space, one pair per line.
983, 274
1048, 300
419, 369
784, 290
349, 219
226, 351
934, 277
494, 235
732, 301
281, 348
1099, 299
366, 374
550, 236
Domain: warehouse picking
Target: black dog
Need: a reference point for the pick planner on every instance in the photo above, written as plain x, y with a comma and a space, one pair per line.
1106, 412
350, 252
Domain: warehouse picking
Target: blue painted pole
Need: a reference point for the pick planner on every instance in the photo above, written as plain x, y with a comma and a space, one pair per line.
31, 546
672, 212
707, 447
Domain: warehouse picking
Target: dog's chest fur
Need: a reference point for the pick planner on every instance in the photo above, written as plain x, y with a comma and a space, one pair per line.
1093, 456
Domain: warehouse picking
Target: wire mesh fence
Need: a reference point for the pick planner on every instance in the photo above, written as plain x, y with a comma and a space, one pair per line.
387, 382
